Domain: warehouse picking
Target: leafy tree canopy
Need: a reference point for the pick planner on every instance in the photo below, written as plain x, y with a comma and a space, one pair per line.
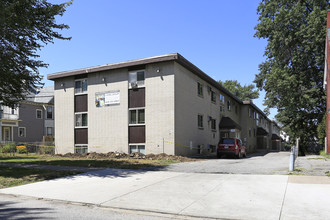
246, 92
25, 26
292, 74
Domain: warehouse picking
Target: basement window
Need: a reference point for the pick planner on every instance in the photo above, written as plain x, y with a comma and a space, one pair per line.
137, 148
80, 149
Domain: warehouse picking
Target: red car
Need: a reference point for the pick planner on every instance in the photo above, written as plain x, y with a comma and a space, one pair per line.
231, 146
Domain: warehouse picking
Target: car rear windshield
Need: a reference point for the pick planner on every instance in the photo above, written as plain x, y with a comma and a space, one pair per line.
227, 141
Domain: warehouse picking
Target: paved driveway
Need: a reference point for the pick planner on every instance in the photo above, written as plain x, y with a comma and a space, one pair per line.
271, 163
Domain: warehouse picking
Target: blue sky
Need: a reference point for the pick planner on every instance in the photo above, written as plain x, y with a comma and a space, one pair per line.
215, 35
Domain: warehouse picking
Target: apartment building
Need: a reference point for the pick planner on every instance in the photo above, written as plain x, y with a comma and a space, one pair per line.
161, 104
31, 120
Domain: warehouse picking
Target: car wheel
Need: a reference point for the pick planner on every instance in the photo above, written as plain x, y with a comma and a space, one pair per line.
239, 155
219, 155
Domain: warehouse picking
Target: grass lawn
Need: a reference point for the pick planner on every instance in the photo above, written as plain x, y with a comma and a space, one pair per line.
14, 176
123, 163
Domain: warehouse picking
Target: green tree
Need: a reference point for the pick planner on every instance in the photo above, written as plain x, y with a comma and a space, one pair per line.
292, 74
246, 92
25, 26
321, 129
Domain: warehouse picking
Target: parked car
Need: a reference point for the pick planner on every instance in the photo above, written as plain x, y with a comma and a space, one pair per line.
231, 146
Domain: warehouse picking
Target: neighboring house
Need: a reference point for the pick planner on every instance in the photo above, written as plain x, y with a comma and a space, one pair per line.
31, 121
161, 104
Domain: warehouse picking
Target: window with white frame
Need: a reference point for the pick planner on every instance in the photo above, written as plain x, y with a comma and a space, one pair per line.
136, 78
49, 112
49, 131
21, 132
199, 89
80, 86
80, 149
39, 114
200, 121
137, 148
136, 116
81, 119
14, 110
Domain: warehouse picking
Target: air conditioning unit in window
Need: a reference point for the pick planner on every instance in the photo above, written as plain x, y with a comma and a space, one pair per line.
134, 85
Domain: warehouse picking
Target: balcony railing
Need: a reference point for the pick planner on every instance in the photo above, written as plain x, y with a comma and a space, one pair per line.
8, 116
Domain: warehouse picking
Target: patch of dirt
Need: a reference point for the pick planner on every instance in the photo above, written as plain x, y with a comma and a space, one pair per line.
119, 155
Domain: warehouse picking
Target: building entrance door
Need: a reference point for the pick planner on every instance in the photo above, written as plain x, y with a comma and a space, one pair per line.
6, 134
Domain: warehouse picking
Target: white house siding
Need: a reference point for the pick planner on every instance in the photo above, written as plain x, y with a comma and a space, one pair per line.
64, 115
187, 107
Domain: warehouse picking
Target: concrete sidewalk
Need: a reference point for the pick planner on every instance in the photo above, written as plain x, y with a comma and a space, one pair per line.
229, 196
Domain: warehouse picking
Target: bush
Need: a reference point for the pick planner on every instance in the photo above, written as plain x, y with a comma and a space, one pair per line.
9, 148
21, 149
49, 150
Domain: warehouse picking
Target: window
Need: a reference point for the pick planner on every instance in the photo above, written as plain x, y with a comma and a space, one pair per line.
49, 131
249, 132
80, 86
136, 116
254, 115
200, 121
200, 89
136, 78
21, 132
39, 114
81, 120
222, 99
254, 132
137, 148
228, 105
213, 124
249, 112
213, 96
222, 109
80, 149
49, 112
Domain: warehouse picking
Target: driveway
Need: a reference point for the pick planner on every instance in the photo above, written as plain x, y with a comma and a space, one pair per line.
271, 163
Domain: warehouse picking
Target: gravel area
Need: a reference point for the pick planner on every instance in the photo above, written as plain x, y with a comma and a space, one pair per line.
313, 165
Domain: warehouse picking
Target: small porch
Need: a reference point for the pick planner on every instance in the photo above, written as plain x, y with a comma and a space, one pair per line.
7, 131
229, 128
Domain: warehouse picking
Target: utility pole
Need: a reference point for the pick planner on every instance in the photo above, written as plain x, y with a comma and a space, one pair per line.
327, 82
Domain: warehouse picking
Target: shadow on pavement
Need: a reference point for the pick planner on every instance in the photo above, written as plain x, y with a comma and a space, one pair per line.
9, 211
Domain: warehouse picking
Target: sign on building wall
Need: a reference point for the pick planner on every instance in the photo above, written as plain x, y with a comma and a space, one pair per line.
107, 98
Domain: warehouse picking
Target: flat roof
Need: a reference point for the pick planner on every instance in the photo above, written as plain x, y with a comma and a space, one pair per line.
156, 59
